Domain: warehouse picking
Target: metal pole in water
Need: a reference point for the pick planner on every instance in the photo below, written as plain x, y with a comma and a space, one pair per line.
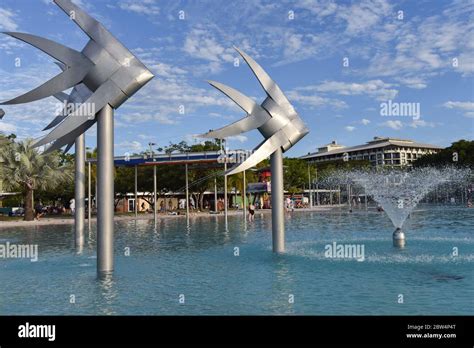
89, 194
278, 222
215, 195
155, 202
187, 191
310, 187
136, 191
105, 190
244, 195
225, 190
317, 194
349, 195
79, 189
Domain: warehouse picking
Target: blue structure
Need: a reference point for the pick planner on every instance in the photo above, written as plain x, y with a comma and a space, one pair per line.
174, 158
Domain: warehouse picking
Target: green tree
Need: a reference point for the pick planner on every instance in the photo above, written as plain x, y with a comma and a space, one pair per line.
237, 181
296, 174
459, 153
26, 170
202, 177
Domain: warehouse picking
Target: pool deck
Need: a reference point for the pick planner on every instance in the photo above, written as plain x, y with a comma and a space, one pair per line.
69, 220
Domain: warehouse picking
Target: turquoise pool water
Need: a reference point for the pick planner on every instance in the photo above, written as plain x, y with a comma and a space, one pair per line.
199, 262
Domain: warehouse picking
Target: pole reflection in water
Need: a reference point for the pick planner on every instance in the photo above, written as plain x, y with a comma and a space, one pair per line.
283, 284
80, 246
108, 294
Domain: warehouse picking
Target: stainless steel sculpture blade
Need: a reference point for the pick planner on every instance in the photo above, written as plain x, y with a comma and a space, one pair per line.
104, 67
79, 66
281, 127
257, 115
64, 54
79, 94
104, 75
59, 83
83, 114
95, 30
264, 150
270, 87
275, 118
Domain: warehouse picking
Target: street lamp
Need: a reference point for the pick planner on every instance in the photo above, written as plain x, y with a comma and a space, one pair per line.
150, 145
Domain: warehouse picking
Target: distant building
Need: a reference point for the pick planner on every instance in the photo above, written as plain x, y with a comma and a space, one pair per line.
379, 151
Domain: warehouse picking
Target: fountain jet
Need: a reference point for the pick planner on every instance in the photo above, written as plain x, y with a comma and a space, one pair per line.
399, 192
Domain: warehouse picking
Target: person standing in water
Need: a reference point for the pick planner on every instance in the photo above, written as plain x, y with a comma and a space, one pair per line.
251, 212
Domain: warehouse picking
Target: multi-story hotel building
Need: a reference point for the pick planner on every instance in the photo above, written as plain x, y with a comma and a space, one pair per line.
379, 151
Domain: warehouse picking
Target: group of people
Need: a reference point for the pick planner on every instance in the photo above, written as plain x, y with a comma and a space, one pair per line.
41, 210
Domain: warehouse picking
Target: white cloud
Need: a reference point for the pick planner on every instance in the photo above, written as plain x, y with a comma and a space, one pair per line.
425, 46
7, 20
374, 88
466, 107
469, 114
7, 127
363, 15
317, 8
201, 44
239, 138
314, 100
396, 125
421, 123
412, 82
165, 70
162, 119
365, 121
146, 7
134, 146
349, 128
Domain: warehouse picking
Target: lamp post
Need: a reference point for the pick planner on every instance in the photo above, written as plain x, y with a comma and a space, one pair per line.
152, 153
89, 201
310, 188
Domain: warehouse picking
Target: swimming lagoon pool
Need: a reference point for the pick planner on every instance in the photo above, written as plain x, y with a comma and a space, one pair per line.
204, 269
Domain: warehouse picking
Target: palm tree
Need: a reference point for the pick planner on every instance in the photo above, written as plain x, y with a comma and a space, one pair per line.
237, 181
26, 170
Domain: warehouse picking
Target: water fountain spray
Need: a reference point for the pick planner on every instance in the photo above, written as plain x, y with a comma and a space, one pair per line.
398, 192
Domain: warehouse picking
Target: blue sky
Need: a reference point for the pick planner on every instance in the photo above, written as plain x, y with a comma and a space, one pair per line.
404, 57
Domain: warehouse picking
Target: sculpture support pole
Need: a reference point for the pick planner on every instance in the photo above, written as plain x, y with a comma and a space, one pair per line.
155, 201
89, 195
136, 191
80, 190
105, 190
225, 191
215, 195
278, 223
187, 192
244, 195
